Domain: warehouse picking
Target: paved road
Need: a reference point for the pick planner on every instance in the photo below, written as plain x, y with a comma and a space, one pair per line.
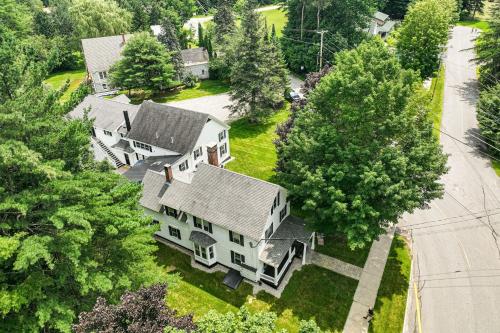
456, 258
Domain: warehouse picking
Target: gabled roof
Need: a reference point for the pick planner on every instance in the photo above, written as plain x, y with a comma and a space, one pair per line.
155, 163
108, 114
167, 127
154, 186
380, 16
194, 56
103, 52
225, 198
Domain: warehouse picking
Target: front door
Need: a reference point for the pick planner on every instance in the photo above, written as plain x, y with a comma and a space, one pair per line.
127, 160
299, 249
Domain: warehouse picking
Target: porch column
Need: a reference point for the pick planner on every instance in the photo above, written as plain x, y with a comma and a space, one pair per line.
313, 245
304, 254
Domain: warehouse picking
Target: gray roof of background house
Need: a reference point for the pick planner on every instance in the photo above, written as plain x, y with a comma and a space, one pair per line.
380, 16
108, 114
154, 186
201, 238
122, 98
388, 26
291, 229
167, 127
194, 56
225, 198
155, 163
103, 52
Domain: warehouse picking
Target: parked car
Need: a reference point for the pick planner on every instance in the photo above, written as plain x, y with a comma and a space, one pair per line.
294, 96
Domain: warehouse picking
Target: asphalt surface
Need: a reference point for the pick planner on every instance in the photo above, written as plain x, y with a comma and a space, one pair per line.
456, 259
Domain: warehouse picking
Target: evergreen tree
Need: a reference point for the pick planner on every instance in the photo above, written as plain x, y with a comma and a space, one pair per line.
396, 9
362, 153
201, 36
169, 38
488, 116
488, 49
256, 76
223, 21
145, 64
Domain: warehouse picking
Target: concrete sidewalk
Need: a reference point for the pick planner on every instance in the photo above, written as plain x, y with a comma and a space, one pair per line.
369, 282
335, 265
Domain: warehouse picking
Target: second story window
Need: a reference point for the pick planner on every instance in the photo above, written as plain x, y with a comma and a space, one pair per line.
237, 258
103, 75
108, 133
197, 153
223, 149
174, 232
170, 212
269, 232
236, 238
184, 166
201, 224
141, 145
222, 135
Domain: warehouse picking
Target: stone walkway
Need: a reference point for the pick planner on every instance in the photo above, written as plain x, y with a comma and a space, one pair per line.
369, 282
335, 265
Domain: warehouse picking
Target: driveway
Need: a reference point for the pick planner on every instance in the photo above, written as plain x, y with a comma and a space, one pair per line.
216, 105
456, 258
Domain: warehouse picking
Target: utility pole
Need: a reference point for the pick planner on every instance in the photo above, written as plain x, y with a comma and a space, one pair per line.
322, 33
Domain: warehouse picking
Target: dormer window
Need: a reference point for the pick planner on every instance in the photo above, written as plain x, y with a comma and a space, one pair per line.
222, 135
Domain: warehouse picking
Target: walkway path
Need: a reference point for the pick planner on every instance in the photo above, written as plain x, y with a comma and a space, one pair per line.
335, 265
369, 282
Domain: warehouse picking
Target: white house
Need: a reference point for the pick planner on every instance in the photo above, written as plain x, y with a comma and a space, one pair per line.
196, 62
381, 25
151, 135
229, 219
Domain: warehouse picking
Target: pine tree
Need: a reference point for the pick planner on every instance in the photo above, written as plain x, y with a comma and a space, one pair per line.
223, 21
201, 36
169, 38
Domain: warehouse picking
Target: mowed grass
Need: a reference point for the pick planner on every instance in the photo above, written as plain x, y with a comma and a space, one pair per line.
312, 292
336, 246
202, 88
437, 93
277, 17
478, 24
57, 80
252, 146
391, 299
496, 167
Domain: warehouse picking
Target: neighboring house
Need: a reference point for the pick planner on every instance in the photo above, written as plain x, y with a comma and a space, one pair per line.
381, 25
154, 134
227, 218
196, 62
100, 55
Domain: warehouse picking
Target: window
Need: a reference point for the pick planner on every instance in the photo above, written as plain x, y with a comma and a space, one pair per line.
269, 232
102, 76
283, 262
170, 212
201, 224
223, 149
142, 146
104, 86
283, 213
211, 252
108, 133
174, 232
236, 238
200, 251
237, 258
278, 199
184, 166
222, 135
197, 153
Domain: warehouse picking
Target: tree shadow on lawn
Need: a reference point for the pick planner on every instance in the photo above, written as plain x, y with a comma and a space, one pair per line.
314, 292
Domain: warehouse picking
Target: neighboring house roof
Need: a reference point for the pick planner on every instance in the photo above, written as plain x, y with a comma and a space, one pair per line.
201, 239
167, 127
291, 229
155, 163
198, 55
154, 186
225, 198
122, 98
387, 27
103, 52
380, 16
108, 114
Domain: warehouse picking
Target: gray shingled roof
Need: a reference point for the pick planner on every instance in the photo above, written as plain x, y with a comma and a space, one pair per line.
167, 127
388, 26
154, 186
380, 16
108, 114
103, 52
291, 229
201, 238
155, 163
225, 198
194, 56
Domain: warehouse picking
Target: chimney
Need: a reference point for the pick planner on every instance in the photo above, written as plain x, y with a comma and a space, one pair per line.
168, 173
127, 120
213, 158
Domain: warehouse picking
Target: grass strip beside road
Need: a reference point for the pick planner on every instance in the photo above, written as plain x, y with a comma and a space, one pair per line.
437, 93
478, 24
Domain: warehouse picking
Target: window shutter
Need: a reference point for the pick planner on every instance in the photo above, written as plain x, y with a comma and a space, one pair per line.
230, 236
135, 145
242, 240
242, 258
232, 256
210, 227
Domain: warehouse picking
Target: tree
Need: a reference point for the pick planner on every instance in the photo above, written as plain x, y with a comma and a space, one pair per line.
145, 64
396, 9
201, 36
257, 85
96, 18
223, 21
469, 8
169, 38
488, 49
141, 311
362, 152
488, 116
423, 35
345, 22
15, 18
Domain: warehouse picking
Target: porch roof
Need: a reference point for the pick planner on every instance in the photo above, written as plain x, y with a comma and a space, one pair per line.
201, 239
290, 230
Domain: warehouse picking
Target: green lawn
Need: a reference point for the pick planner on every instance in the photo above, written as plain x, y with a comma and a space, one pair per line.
336, 246
312, 292
391, 299
496, 167
278, 18
57, 80
252, 146
437, 93
478, 24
